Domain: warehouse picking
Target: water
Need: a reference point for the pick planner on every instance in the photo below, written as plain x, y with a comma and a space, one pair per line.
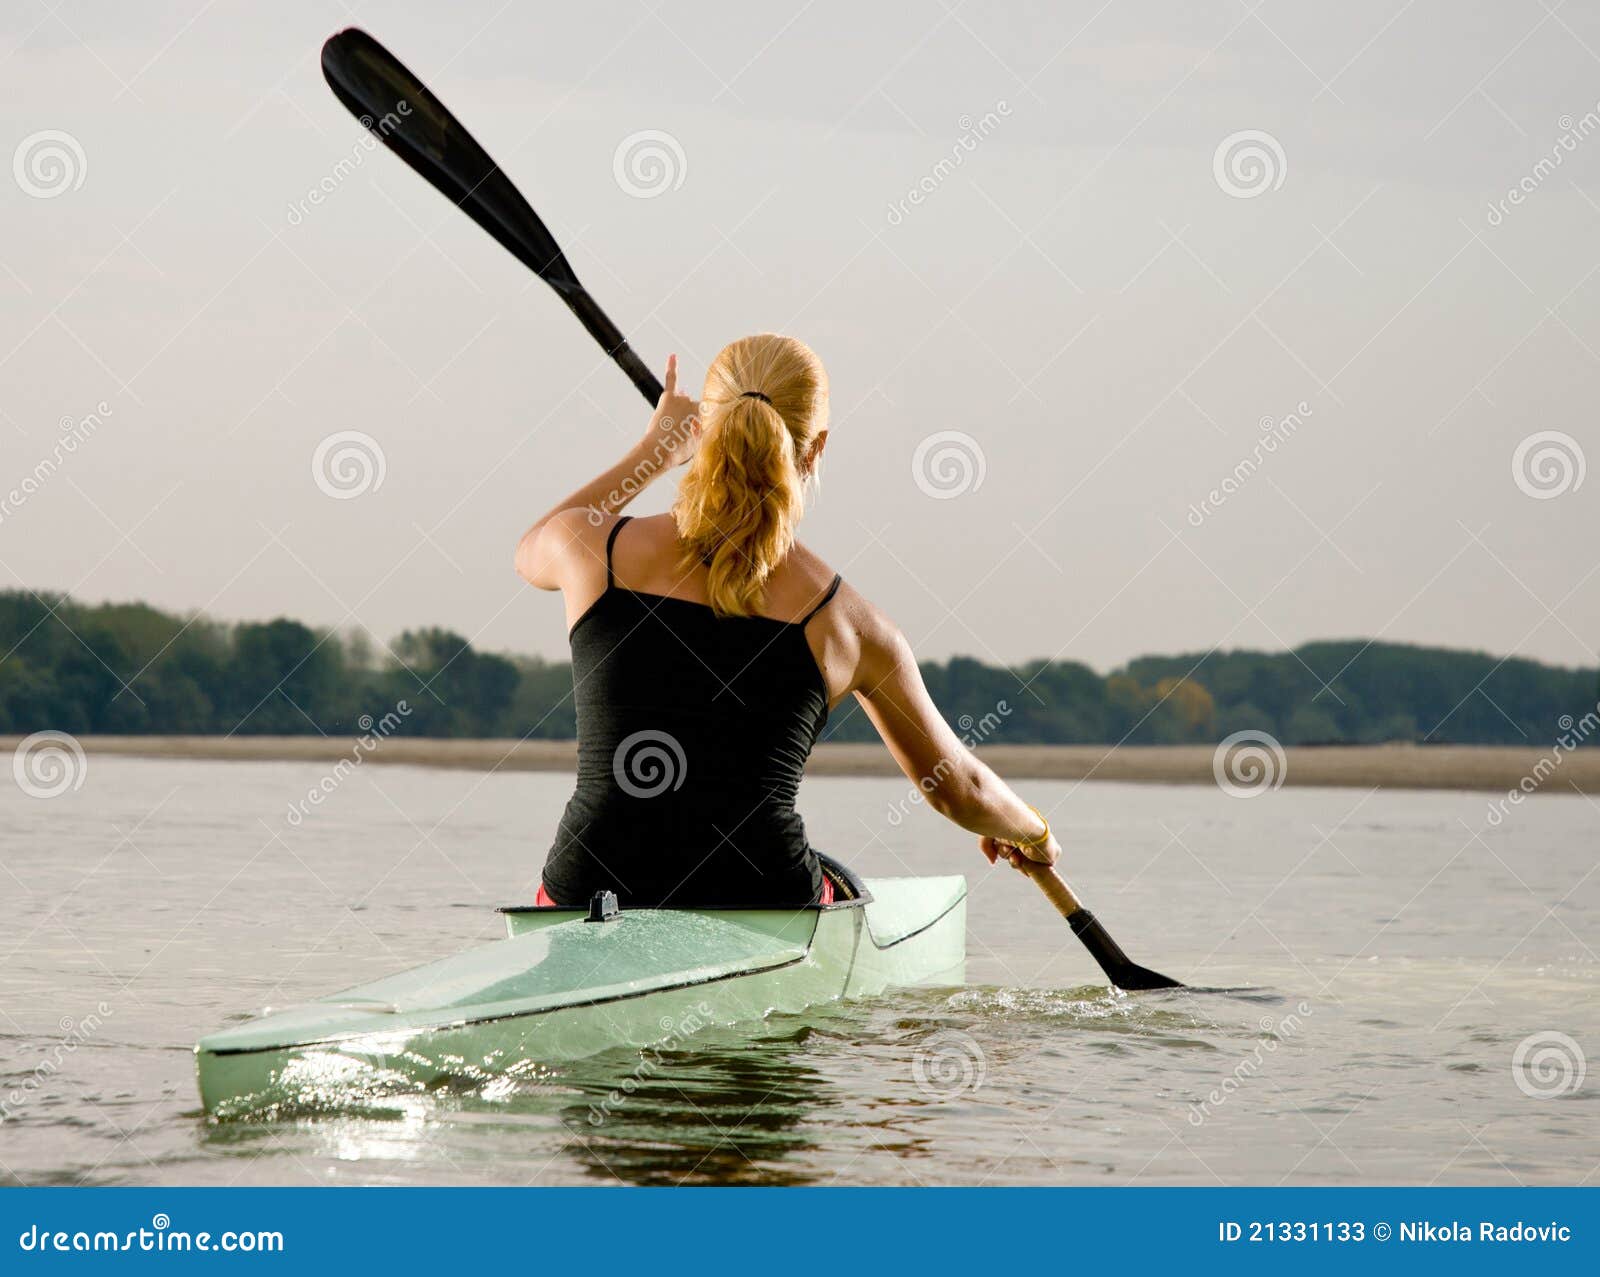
1387, 952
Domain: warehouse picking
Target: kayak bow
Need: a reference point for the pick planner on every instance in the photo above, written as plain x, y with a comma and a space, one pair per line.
561, 987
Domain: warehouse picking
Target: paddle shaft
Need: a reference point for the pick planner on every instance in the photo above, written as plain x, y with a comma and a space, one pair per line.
611, 340
1054, 887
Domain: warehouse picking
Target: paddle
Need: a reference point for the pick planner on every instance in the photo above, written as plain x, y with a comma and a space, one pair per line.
1120, 969
401, 112
406, 117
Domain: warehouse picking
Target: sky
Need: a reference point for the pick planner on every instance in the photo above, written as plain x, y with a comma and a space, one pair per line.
1151, 328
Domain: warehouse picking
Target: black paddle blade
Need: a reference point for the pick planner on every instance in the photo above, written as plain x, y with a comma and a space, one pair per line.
1120, 969
1137, 979
405, 116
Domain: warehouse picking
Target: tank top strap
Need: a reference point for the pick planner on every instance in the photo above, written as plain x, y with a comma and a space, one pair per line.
611, 541
827, 598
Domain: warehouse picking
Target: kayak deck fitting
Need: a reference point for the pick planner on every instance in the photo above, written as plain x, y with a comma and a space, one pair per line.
562, 987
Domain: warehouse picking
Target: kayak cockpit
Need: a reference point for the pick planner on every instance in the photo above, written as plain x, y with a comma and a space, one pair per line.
850, 891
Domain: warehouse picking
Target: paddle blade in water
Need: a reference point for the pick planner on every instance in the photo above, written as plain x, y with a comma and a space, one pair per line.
1121, 970
1137, 979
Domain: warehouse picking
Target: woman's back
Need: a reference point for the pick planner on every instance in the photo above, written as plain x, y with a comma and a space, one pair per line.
693, 732
708, 645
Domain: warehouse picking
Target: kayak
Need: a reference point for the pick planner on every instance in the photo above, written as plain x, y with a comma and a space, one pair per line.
570, 983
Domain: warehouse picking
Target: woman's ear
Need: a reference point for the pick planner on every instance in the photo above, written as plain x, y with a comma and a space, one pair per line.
814, 452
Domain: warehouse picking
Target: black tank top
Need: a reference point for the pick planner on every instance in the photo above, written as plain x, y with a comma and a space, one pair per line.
693, 733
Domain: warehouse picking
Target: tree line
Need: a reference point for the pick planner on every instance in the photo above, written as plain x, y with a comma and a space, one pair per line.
130, 669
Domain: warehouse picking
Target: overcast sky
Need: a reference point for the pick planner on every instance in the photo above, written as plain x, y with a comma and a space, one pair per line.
1041, 368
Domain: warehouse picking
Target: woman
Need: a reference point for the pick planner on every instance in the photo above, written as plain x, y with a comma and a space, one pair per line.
708, 646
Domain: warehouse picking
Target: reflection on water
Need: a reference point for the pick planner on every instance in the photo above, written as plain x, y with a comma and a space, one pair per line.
762, 1105
728, 1111
1375, 972
720, 1114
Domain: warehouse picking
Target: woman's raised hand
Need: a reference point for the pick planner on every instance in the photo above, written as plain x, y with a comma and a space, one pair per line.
675, 425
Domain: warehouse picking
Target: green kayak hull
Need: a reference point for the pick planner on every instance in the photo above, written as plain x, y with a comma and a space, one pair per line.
560, 988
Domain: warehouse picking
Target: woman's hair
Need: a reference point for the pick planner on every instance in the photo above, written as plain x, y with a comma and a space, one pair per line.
765, 403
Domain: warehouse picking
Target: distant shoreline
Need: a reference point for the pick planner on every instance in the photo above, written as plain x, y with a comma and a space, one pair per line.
1460, 767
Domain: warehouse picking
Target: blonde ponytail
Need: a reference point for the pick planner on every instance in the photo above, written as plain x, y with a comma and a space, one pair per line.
765, 403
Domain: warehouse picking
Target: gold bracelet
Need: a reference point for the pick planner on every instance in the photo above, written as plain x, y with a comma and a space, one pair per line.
1033, 843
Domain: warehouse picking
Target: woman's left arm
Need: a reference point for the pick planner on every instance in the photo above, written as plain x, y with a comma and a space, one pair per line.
550, 543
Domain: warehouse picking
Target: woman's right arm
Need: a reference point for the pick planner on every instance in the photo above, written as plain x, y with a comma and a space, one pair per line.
563, 535
956, 782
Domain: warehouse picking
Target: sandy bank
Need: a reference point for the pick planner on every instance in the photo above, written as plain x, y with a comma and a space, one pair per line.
1389, 766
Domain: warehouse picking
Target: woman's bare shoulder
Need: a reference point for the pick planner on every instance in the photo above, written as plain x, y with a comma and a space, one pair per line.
806, 570
645, 553
849, 609
654, 529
